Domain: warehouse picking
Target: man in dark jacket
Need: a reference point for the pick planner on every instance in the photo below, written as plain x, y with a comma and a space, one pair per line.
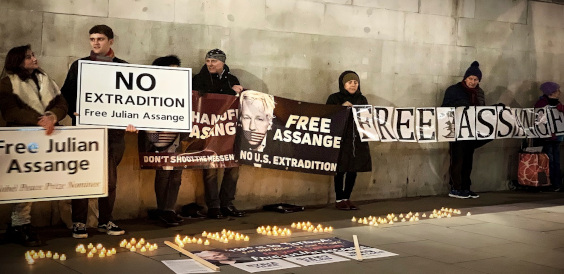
101, 40
215, 78
465, 93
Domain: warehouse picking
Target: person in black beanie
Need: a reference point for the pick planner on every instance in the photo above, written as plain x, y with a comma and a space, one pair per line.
214, 77
551, 146
464, 93
354, 155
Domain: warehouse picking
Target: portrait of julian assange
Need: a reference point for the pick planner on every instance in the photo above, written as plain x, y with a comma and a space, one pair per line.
256, 114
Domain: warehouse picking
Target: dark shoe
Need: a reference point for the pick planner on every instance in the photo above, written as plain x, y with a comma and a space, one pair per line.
351, 205
192, 210
342, 205
473, 194
23, 234
232, 211
169, 218
79, 231
215, 213
111, 229
460, 194
178, 218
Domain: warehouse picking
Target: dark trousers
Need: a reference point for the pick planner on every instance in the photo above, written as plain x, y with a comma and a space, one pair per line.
344, 184
167, 184
461, 158
225, 197
552, 149
116, 147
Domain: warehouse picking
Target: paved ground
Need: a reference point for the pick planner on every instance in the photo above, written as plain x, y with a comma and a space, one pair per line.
508, 232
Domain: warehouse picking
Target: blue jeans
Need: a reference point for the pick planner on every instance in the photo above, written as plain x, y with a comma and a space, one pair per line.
552, 149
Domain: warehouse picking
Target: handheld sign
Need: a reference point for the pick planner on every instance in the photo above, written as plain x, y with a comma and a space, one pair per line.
115, 95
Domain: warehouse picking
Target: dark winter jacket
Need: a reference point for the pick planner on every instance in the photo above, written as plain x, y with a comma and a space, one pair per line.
457, 96
354, 155
70, 87
204, 82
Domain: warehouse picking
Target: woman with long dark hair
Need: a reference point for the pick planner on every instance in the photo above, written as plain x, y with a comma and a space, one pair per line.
28, 97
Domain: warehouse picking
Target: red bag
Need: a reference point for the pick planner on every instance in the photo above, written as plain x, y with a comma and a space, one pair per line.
533, 169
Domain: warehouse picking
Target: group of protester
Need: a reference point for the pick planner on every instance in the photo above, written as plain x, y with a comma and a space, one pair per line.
28, 97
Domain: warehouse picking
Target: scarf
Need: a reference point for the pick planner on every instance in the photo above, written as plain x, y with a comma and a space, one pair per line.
473, 92
109, 57
37, 98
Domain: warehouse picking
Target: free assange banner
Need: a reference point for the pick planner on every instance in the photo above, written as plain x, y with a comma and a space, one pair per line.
284, 134
71, 163
449, 124
115, 95
209, 143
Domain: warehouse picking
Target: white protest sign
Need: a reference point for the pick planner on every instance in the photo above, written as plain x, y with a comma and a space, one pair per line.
404, 124
365, 123
367, 253
383, 122
556, 121
465, 118
316, 259
527, 119
519, 130
486, 121
505, 124
542, 127
267, 265
426, 125
446, 131
115, 95
70, 163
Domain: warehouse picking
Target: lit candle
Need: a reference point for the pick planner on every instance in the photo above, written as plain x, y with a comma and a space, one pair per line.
237, 237
299, 226
103, 249
55, 256
123, 243
90, 255
207, 242
424, 215
30, 261
283, 234
391, 222
416, 214
401, 215
275, 233
133, 241
331, 228
128, 245
268, 228
141, 241
93, 250
188, 241
269, 233
143, 249
360, 220
468, 214
132, 249
113, 251
402, 220
200, 241
259, 230
230, 237
139, 245
364, 221
246, 239
49, 255
109, 253
102, 254
147, 245
99, 246
35, 256
194, 239
90, 246
293, 225
204, 234
41, 254
395, 219
151, 248
155, 246
83, 250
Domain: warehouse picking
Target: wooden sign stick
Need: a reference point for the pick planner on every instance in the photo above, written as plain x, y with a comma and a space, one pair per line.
195, 257
357, 248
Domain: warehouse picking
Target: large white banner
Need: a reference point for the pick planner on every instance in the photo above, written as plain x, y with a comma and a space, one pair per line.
448, 124
71, 163
115, 95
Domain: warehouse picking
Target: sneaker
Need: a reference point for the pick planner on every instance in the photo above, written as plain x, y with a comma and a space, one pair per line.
169, 218
111, 229
473, 194
79, 231
23, 234
461, 194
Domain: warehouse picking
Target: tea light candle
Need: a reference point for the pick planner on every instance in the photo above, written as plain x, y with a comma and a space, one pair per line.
128, 245
35, 256
142, 241
30, 261
391, 222
82, 251
293, 225
151, 248
41, 254
199, 241
133, 241
194, 239
123, 243
93, 250
63, 257
155, 246
49, 254
299, 226
147, 245
269, 233
207, 242
424, 215
90, 255
139, 245
55, 256
103, 249
468, 214
204, 234
99, 246
132, 249
102, 255
90, 246
113, 251
143, 249
109, 253
402, 220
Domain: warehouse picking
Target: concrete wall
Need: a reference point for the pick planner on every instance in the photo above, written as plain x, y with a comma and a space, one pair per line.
405, 51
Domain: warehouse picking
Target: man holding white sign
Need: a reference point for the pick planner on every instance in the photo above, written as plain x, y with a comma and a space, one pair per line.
101, 41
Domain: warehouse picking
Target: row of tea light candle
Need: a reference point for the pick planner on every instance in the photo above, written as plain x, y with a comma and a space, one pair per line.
31, 256
411, 217
99, 249
141, 245
309, 227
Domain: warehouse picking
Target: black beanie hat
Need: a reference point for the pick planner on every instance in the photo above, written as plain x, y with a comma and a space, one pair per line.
474, 69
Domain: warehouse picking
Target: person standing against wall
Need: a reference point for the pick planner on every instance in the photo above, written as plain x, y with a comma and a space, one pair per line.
214, 77
551, 146
28, 97
167, 179
465, 93
101, 41
354, 155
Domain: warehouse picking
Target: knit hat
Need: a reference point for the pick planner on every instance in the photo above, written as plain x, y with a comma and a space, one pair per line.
474, 69
216, 54
350, 76
548, 88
